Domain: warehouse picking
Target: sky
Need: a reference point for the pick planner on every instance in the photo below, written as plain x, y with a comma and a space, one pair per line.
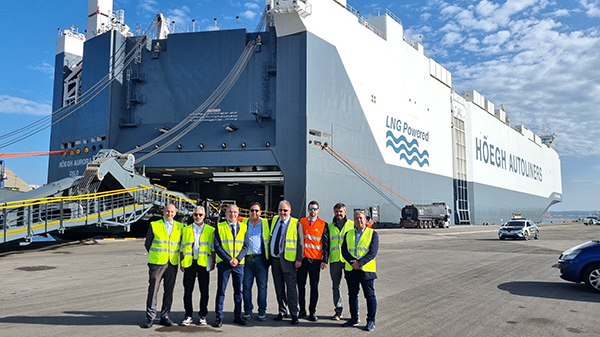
540, 58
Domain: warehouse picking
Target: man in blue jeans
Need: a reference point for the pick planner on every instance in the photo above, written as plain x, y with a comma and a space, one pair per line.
257, 265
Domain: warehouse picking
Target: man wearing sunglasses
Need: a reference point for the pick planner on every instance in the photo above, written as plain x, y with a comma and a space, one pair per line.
197, 258
286, 248
257, 262
316, 255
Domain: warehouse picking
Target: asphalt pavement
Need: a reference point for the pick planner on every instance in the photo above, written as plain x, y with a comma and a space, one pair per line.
460, 281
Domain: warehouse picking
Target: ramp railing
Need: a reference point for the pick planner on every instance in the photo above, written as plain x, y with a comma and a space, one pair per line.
25, 218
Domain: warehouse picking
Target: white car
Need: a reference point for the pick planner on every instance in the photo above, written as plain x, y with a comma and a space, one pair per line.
519, 229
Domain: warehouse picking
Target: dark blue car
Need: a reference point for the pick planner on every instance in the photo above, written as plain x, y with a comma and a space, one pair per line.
581, 264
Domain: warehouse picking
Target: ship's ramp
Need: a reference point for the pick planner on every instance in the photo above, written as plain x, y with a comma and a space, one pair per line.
109, 194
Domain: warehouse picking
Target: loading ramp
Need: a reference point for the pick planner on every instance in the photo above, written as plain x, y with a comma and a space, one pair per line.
109, 194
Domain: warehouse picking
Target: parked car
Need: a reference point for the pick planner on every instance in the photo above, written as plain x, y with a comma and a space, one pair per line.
519, 229
581, 264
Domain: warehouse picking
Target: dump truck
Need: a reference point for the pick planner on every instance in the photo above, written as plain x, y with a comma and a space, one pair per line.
432, 215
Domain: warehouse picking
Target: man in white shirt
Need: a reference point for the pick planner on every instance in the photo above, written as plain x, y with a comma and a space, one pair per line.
197, 258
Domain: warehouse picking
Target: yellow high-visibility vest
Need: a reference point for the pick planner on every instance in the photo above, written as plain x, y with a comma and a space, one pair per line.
165, 248
361, 249
204, 246
291, 238
231, 246
336, 238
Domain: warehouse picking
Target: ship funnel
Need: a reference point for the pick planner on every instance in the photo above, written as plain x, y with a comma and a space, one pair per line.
99, 14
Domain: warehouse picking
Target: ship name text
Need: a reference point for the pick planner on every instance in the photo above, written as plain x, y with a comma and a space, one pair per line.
395, 124
496, 156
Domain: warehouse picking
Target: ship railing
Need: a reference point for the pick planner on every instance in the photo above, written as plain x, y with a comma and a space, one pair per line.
364, 22
24, 219
302, 7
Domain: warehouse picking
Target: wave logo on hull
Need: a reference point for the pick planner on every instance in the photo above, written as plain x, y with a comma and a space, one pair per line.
408, 151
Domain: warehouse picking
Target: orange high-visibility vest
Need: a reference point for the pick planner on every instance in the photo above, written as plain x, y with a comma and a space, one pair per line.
313, 234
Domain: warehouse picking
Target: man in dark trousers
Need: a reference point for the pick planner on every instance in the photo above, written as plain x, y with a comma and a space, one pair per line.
359, 250
231, 245
163, 242
286, 250
197, 259
316, 255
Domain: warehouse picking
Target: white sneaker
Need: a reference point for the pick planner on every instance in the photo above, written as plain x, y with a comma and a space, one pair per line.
186, 321
203, 321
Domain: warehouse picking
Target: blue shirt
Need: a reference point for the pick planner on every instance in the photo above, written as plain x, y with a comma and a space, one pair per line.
168, 226
255, 241
358, 235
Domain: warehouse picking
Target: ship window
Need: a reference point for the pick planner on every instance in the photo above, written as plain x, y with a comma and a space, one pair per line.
315, 132
71, 144
77, 142
63, 146
85, 141
326, 135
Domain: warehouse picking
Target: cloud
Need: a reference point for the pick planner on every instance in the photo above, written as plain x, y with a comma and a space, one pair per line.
497, 38
44, 67
148, 7
181, 16
251, 12
591, 8
451, 38
16, 105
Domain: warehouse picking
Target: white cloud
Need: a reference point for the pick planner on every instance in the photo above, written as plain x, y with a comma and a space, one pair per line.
181, 16
486, 8
16, 105
249, 14
560, 12
451, 38
44, 67
497, 38
148, 7
592, 8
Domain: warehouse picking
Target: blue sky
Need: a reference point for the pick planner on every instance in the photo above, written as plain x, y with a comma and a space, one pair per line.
540, 58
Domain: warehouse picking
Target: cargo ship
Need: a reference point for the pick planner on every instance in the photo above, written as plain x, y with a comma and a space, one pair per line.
249, 116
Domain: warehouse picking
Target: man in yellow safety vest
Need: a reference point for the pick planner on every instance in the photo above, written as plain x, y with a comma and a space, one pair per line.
197, 259
286, 249
231, 245
337, 229
162, 243
359, 250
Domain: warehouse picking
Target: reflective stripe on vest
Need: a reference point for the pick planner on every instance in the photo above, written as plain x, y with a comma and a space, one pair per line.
361, 250
231, 246
313, 247
265, 234
291, 238
336, 238
204, 246
165, 248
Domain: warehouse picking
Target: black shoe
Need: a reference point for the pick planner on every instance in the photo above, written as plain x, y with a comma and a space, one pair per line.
149, 323
302, 314
239, 321
313, 318
279, 317
218, 323
351, 322
166, 321
294, 320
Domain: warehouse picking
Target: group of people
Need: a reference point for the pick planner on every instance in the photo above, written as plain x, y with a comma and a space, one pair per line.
243, 249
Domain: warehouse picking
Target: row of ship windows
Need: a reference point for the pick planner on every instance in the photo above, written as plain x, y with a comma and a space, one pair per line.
74, 143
